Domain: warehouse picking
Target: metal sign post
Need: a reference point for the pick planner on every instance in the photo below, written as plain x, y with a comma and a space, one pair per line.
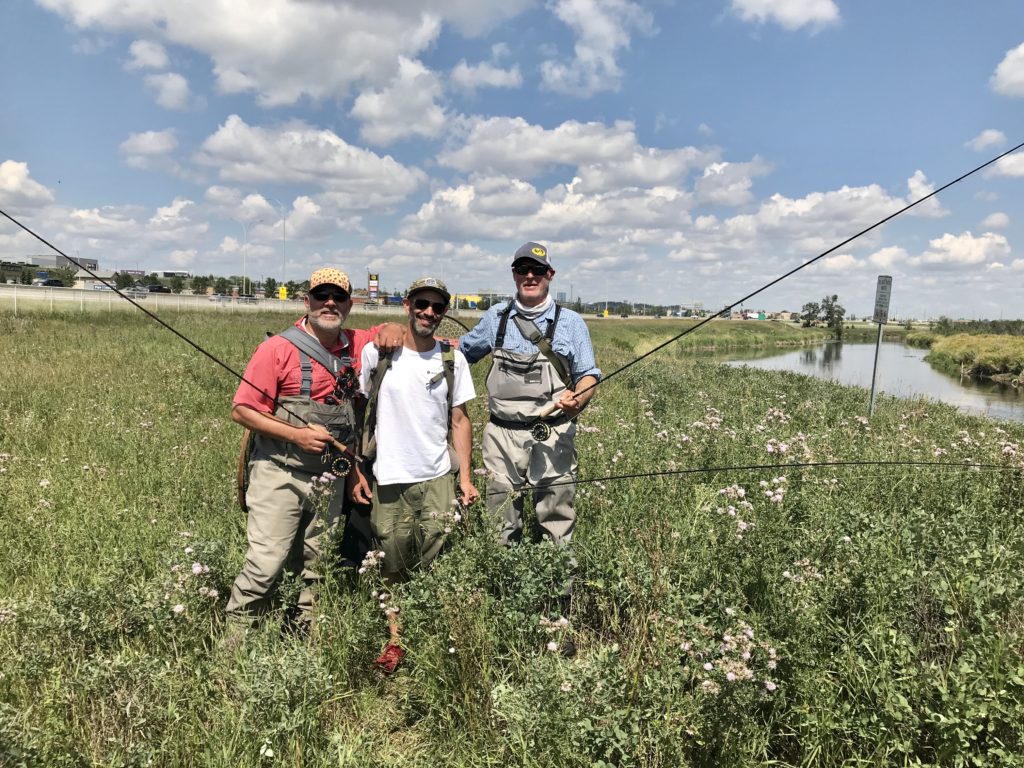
882, 294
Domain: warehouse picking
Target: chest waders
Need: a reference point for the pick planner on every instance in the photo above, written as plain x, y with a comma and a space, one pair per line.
368, 449
520, 386
337, 417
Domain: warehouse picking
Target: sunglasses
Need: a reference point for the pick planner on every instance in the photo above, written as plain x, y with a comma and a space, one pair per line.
323, 294
537, 270
439, 307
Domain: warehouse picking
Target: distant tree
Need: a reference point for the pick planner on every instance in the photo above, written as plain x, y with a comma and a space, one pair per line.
810, 313
832, 314
200, 283
270, 287
221, 286
65, 274
177, 284
27, 276
153, 279
123, 280
484, 303
577, 306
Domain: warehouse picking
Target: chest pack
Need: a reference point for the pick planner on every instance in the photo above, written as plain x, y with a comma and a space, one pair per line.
532, 334
447, 372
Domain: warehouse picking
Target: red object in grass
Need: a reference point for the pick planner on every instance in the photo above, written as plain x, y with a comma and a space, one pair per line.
389, 660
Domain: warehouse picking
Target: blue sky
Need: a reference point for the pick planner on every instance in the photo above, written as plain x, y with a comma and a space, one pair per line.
665, 151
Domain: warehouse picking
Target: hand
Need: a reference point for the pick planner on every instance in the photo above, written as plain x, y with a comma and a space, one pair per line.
358, 487
468, 492
569, 405
313, 438
390, 337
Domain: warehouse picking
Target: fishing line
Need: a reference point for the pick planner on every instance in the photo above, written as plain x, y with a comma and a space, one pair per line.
766, 286
159, 320
973, 467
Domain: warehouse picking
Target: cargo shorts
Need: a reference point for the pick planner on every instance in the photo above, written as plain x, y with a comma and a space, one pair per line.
411, 521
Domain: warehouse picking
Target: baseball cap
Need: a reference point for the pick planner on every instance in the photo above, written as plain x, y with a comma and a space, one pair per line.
330, 276
429, 283
532, 252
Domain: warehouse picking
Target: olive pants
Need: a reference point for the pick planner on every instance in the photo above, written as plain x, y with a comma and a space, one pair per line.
410, 521
285, 533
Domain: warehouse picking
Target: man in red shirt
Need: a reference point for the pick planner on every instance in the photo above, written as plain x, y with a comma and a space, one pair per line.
297, 398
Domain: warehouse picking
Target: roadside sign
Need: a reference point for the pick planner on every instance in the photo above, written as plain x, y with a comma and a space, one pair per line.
882, 294
282, 293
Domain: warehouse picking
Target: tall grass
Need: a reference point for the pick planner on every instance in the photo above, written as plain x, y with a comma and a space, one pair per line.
817, 618
979, 354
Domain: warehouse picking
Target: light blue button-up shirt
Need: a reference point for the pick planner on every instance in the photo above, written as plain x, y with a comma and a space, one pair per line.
572, 339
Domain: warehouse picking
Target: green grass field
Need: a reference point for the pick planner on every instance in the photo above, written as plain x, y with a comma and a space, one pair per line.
828, 617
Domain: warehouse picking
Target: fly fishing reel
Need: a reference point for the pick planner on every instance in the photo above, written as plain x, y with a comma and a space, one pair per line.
338, 464
540, 431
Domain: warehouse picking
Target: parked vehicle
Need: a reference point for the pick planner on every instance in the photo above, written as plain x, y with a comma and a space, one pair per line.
53, 282
157, 288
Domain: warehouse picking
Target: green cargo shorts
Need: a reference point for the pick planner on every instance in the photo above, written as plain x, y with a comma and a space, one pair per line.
411, 521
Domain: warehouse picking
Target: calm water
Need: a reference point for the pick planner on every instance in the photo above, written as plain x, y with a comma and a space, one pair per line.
902, 371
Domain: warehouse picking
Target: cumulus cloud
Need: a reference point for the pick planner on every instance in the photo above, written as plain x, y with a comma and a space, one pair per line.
146, 54
183, 257
405, 107
997, 220
1008, 79
470, 77
888, 257
18, 189
729, 183
789, 14
987, 139
300, 154
149, 149
602, 28
643, 167
170, 90
919, 186
324, 50
1011, 165
510, 145
841, 262
964, 250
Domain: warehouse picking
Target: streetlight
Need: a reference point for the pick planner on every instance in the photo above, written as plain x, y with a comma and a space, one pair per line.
284, 239
245, 246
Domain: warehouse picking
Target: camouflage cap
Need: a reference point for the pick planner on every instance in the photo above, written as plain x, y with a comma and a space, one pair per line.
330, 276
429, 283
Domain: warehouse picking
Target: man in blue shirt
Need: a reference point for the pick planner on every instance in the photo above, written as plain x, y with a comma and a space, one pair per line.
542, 355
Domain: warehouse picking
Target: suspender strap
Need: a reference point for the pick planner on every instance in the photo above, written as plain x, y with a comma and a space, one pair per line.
306, 366
532, 334
499, 339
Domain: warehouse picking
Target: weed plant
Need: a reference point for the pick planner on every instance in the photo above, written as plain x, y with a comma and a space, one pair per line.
828, 617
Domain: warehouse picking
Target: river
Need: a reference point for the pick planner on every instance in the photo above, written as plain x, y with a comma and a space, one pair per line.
902, 372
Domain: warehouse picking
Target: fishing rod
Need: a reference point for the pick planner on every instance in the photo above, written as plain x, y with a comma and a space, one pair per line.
965, 466
340, 465
728, 308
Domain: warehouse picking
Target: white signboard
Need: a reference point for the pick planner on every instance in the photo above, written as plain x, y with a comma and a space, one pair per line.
882, 294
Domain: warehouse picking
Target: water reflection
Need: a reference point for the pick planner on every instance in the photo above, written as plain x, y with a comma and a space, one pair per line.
902, 371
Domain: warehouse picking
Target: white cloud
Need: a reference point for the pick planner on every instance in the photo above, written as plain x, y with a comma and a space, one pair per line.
510, 145
469, 77
1011, 165
729, 183
18, 189
323, 50
297, 153
1008, 79
170, 90
987, 139
842, 262
643, 167
146, 54
406, 107
887, 257
962, 250
150, 149
789, 14
919, 186
183, 257
602, 29
997, 220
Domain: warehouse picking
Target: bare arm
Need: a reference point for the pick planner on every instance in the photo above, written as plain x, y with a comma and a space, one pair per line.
570, 403
462, 439
312, 438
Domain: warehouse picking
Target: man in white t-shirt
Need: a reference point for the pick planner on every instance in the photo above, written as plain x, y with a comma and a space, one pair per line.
409, 416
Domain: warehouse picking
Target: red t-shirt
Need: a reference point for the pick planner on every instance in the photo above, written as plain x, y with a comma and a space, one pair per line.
275, 369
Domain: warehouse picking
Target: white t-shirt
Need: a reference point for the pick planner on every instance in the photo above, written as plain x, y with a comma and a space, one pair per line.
412, 418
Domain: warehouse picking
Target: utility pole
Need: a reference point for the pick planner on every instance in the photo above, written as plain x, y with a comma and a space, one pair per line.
284, 239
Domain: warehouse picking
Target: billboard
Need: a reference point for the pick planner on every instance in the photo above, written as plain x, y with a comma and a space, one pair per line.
372, 286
